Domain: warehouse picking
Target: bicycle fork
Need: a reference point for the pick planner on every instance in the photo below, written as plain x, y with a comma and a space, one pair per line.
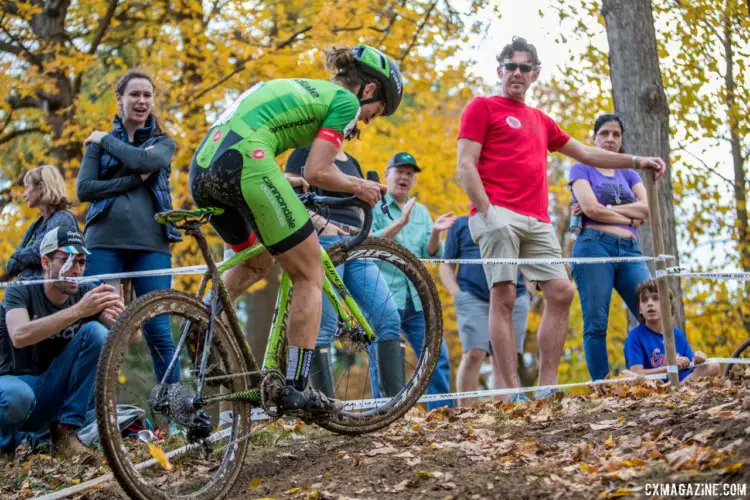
336, 291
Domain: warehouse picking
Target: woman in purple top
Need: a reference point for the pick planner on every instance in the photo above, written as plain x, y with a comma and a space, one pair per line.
613, 205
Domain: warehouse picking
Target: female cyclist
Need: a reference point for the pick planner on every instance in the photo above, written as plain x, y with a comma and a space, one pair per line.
235, 168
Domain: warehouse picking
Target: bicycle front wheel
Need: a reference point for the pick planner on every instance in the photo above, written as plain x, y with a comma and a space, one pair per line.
397, 295
197, 468
737, 371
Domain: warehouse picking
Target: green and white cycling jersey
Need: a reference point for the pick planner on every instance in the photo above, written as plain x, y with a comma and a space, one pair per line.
286, 114
235, 165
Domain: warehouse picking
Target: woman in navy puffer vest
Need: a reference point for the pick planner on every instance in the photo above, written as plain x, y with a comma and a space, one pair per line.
125, 177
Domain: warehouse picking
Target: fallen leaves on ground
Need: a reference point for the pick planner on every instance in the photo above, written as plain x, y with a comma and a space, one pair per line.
606, 444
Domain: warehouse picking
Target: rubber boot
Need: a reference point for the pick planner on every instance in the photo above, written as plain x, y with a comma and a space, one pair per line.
321, 376
390, 367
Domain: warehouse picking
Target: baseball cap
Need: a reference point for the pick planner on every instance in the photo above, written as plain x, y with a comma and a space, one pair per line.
403, 159
65, 239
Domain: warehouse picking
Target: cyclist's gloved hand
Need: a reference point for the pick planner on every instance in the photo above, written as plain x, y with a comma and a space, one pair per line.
370, 192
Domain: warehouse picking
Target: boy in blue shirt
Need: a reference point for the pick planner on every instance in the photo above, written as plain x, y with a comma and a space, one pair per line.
644, 347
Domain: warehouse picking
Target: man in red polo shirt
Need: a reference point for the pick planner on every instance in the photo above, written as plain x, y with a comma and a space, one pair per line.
502, 162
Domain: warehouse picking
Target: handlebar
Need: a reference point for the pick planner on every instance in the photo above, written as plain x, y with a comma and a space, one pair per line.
316, 202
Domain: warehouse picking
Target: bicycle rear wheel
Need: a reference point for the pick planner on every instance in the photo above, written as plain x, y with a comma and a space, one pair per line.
393, 289
204, 468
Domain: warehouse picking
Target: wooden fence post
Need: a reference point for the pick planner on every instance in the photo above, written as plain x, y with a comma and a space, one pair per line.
662, 283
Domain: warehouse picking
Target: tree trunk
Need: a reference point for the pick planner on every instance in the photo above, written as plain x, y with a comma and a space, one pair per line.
639, 98
740, 190
260, 307
52, 87
49, 27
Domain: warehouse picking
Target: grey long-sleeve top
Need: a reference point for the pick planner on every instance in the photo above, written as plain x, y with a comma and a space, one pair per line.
129, 223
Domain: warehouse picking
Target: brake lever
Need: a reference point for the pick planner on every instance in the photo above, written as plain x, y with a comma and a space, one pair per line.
373, 176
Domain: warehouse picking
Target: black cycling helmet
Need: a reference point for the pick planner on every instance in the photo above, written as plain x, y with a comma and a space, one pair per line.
379, 67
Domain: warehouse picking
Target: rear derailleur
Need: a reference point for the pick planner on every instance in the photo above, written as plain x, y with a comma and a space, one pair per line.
179, 404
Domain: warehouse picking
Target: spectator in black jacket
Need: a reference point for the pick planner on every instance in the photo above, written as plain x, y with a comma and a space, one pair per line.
44, 190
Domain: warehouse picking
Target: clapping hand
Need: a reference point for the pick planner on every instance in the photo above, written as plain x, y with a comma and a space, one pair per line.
406, 212
444, 222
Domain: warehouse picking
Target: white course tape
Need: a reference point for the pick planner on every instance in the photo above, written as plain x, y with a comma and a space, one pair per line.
723, 275
708, 361
733, 361
572, 260
55, 495
200, 269
112, 276
371, 403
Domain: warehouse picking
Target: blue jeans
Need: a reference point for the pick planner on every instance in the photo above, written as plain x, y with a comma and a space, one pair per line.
62, 394
369, 290
157, 331
412, 324
595, 283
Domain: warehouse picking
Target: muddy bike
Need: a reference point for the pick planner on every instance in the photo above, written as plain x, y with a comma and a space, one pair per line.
202, 418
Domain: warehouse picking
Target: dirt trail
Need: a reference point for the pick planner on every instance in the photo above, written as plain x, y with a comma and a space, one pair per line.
599, 445
609, 445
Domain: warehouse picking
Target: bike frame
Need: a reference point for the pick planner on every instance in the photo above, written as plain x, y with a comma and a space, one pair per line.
333, 287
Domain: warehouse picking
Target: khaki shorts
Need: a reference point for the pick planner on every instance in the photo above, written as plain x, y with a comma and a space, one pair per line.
510, 235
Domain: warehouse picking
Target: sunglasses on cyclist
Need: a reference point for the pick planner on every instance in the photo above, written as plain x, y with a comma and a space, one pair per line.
511, 67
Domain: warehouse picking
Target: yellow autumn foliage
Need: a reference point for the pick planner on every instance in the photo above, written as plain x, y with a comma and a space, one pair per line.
56, 92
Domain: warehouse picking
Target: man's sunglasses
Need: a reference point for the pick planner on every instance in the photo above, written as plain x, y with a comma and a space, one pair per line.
525, 68
81, 261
